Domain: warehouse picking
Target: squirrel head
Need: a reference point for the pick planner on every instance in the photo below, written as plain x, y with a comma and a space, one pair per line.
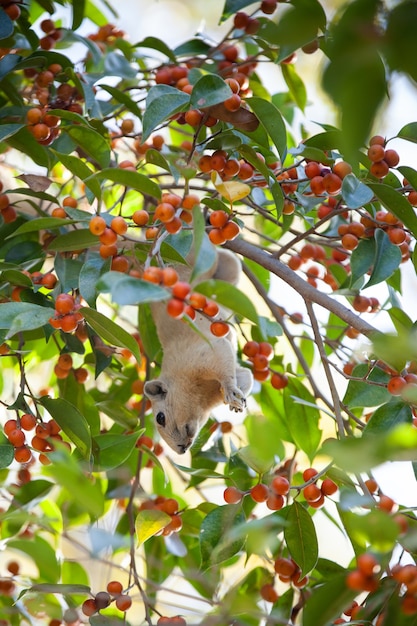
175, 416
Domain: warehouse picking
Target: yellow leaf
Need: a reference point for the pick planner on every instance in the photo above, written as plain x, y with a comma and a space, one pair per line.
149, 522
232, 190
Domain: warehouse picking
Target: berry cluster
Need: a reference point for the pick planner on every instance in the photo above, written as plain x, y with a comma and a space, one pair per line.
183, 300
381, 159
365, 576
67, 315
7, 211
103, 599
259, 355
46, 433
64, 367
42, 124
289, 572
51, 36
272, 494
169, 506
224, 229
313, 493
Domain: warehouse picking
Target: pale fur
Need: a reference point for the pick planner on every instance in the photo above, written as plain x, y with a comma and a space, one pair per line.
197, 373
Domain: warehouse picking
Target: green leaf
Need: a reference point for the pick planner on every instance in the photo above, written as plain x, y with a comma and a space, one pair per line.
112, 450
272, 121
300, 536
355, 193
129, 179
60, 588
74, 240
129, 290
82, 490
118, 413
6, 25
264, 436
387, 258
91, 142
233, 6
304, 422
111, 332
89, 276
229, 296
6, 454
77, 167
375, 528
397, 204
43, 555
20, 316
362, 259
328, 601
72, 422
78, 10
396, 349
8, 130
149, 522
215, 545
364, 453
157, 44
161, 102
123, 98
210, 89
33, 492
42, 223
295, 85
409, 132
362, 393
389, 415
402, 322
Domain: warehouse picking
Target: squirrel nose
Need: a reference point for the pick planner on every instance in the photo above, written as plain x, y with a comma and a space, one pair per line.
182, 448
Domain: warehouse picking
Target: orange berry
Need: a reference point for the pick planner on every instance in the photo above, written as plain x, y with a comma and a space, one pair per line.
245, 171
211, 309
34, 115
97, 225
232, 495
230, 231
259, 492
312, 169
218, 160
114, 587
317, 185
279, 381
275, 502
108, 237
17, 438
28, 421
251, 348
396, 384
204, 163
123, 602
140, 217
361, 304
332, 183
392, 158
198, 301
69, 323
328, 487
169, 276
65, 361
349, 241
342, 169
219, 329
119, 225
216, 236
268, 593
377, 140
120, 264
379, 169
22, 454
285, 567
106, 251
386, 503
312, 493
233, 103
260, 362
376, 152
81, 375
64, 303
175, 308
193, 117
219, 218
309, 473
153, 274
181, 289
367, 564
89, 607
280, 485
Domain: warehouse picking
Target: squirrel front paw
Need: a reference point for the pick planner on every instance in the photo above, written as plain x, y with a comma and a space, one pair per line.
234, 398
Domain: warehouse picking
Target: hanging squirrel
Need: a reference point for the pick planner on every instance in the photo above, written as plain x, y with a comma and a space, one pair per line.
198, 372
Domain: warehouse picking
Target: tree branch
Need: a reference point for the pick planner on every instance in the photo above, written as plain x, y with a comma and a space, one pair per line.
308, 292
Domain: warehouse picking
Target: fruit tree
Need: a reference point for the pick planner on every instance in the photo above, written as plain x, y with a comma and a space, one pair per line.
117, 158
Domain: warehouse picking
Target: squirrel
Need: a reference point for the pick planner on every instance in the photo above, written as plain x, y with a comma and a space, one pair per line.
198, 371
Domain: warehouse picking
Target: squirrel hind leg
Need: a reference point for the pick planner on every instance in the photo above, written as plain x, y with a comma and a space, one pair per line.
244, 380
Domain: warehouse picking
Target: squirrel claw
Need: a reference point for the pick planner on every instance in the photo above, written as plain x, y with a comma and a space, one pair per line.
234, 398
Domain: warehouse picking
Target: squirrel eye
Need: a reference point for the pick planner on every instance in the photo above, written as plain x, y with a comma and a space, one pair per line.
160, 419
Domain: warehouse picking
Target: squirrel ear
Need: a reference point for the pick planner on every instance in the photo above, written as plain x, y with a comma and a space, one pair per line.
155, 389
